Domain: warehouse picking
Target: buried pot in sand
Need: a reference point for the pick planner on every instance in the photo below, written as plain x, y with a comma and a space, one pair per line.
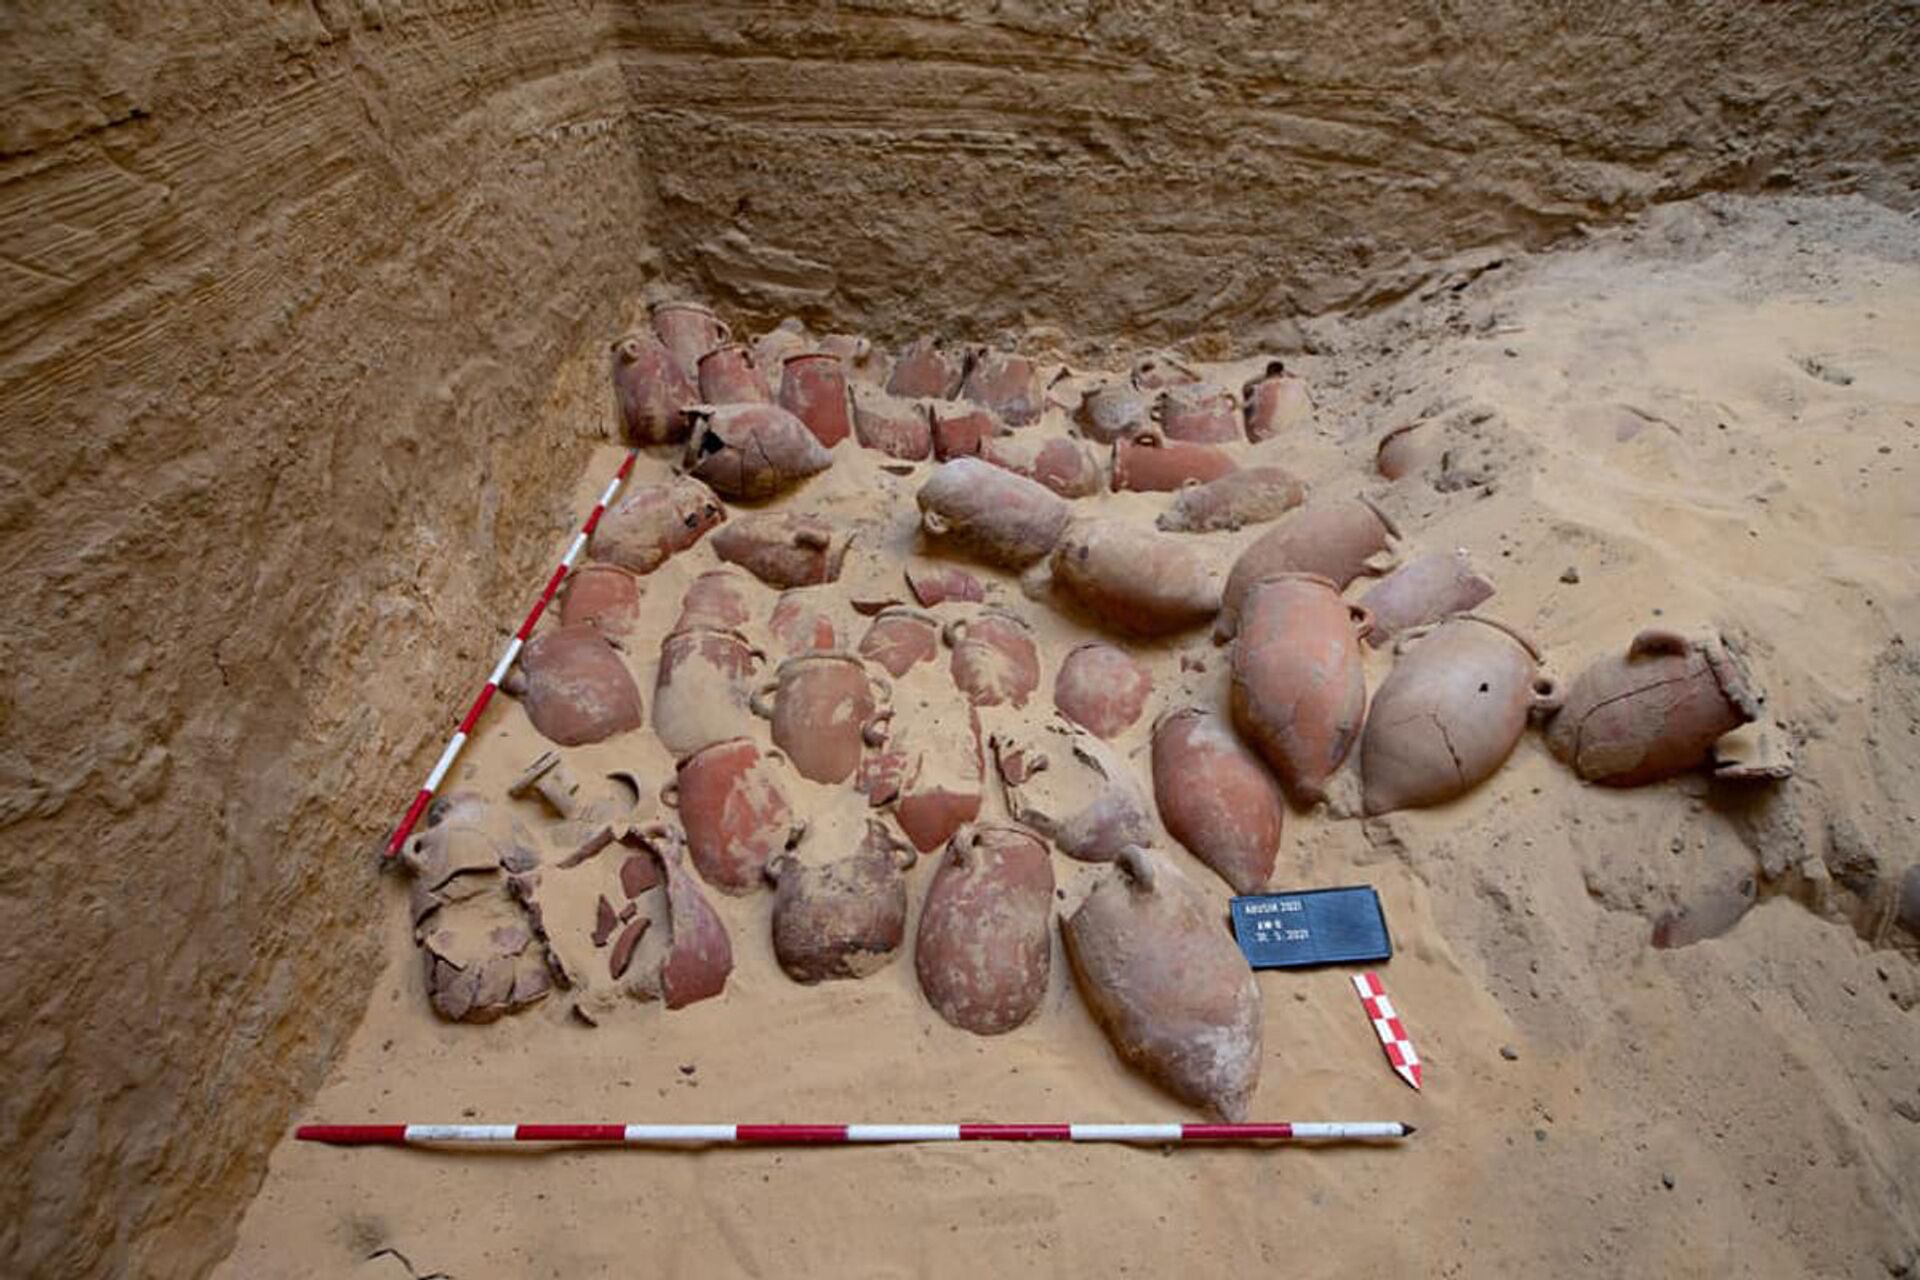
751, 452
1299, 687
1081, 795
1338, 540
785, 548
644, 529
575, 687
652, 391
1216, 797
990, 513
984, 946
1135, 579
844, 918
734, 808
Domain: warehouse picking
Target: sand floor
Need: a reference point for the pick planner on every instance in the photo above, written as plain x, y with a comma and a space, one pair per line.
1710, 417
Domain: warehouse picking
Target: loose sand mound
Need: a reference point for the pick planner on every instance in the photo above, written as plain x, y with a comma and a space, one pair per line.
1705, 421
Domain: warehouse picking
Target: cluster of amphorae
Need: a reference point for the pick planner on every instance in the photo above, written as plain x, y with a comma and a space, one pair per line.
1147, 946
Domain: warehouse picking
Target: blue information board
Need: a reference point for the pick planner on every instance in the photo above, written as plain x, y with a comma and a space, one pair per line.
1314, 926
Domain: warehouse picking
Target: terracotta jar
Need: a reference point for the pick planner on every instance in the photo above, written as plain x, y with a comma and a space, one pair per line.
994, 660
1006, 383
927, 765
751, 452
959, 430
1200, 414
889, 425
865, 363
800, 623
1064, 465
604, 596
1216, 798
699, 954
702, 688
999, 517
985, 943
1401, 451
1102, 688
785, 548
1654, 712
1337, 539
1299, 688
1134, 579
813, 388
927, 370
649, 525
735, 812
1115, 411
689, 330
1449, 715
845, 918
1150, 464
652, 391
1275, 403
1084, 797
1250, 495
788, 338
822, 705
727, 376
718, 600
900, 639
1424, 590
1167, 984
575, 687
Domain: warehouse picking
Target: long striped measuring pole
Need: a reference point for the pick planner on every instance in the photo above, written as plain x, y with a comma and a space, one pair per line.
520, 637
394, 1135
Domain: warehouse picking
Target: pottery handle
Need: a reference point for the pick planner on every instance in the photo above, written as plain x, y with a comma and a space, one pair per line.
1658, 640
1545, 697
670, 793
514, 684
758, 702
934, 523
1137, 864
882, 687
726, 330
875, 732
812, 540
1362, 620
1404, 640
954, 632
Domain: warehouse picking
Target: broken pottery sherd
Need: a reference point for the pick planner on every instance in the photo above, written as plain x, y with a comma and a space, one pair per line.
1249, 495
702, 688
1102, 688
1216, 797
1275, 403
1083, 797
900, 639
813, 388
699, 954
785, 548
751, 452
927, 765
689, 330
1153, 464
1006, 383
605, 596
1338, 539
575, 687
997, 516
652, 390
995, 660
728, 376
936, 584
1133, 578
984, 948
1654, 712
927, 370
645, 528
1200, 414
823, 706
1299, 689
845, 918
1424, 590
735, 812
454, 857
1163, 978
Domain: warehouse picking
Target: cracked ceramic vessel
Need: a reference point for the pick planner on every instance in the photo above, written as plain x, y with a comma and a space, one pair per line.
1299, 689
1200, 414
926, 764
728, 376
699, 953
1006, 383
845, 918
1338, 539
701, 689
751, 452
1102, 688
785, 548
1450, 713
934, 584
984, 946
604, 596
1275, 403
1424, 590
1216, 797
899, 639
575, 687
1163, 978
1653, 712
645, 528
735, 812
813, 388
717, 600
823, 706
1134, 579
1151, 464
689, 330
1114, 411
887, 424
652, 391
1248, 495
994, 660
997, 516
927, 370
1083, 798
1064, 465
801, 624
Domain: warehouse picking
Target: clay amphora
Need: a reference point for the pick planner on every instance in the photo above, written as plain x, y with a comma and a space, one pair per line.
1421, 591
1133, 578
727, 376
937, 584
750, 452
701, 690
689, 330
895, 427
1337, 539
865, 363
1403, 450
1652, 713
735, 812
959, 430
1247, 496
1066, 466
647, 526
1216, 798
788, 338
995, 515
800, 623
1150, 464
1006, 383
651, 389
994, 660
575, 687
1101, 688
1299, 688
605, 596
785, 548
718, 600
823, 706
899, 639
1275, 403
1083, 797
1450, 713
984, 946
928, 766
845, 918
1115, 411
1200, 414
1164, 980
1158, 371
813, 388
927, 370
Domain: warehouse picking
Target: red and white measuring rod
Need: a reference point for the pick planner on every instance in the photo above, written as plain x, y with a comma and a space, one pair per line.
842, 1134
459, 739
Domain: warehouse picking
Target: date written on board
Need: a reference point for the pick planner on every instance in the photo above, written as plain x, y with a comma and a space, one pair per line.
1312, 926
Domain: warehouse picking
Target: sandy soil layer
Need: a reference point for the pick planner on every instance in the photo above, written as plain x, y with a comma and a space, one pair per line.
1709, 419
